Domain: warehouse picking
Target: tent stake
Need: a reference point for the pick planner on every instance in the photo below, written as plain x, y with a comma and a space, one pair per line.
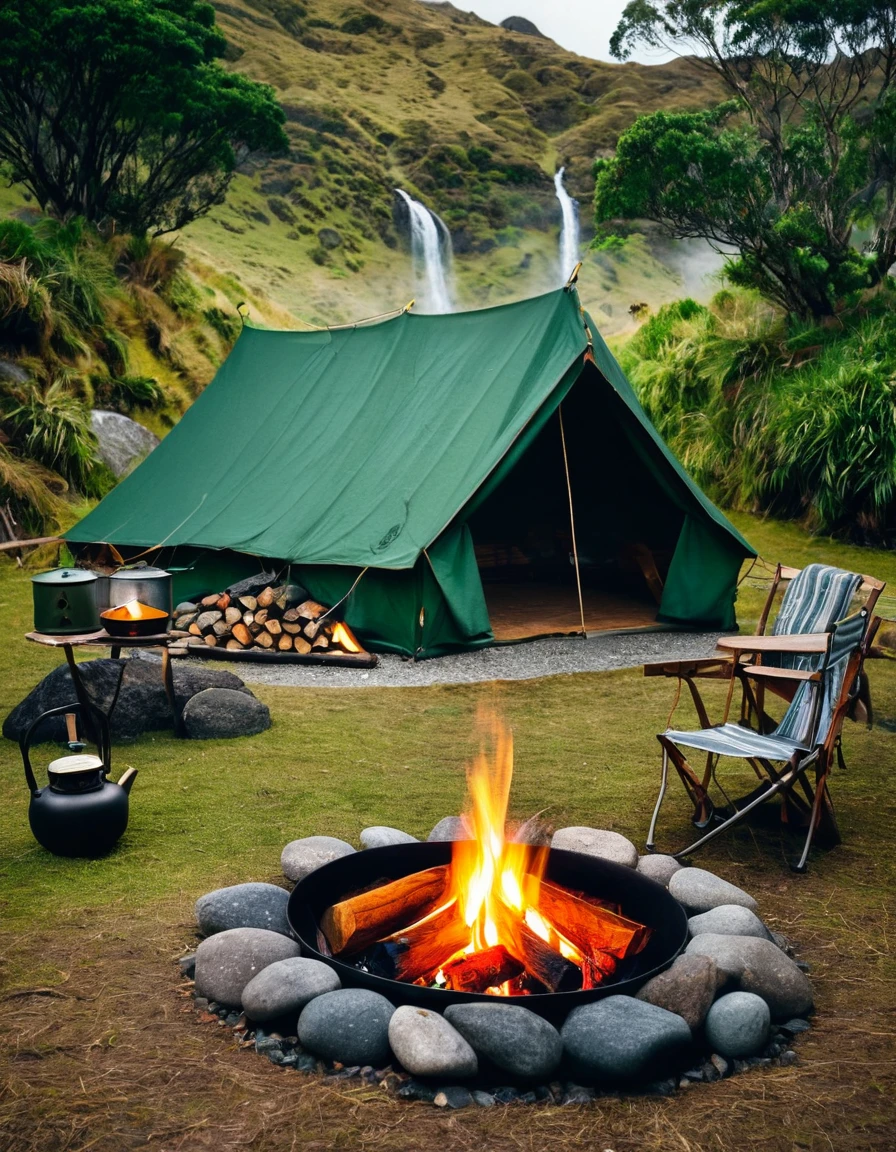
572, 523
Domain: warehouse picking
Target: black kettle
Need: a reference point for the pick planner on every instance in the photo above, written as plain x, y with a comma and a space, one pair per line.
80, 813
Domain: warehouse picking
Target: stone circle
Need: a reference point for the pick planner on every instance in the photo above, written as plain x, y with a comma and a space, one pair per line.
737, 1025
243, 906
428, 1045
227, 961
350, 1025
597, 842
300, 857
286, 986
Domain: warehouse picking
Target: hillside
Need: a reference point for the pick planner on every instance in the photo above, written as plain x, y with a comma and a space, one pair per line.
468, 117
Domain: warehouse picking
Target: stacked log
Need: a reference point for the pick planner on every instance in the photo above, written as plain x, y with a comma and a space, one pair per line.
276, 618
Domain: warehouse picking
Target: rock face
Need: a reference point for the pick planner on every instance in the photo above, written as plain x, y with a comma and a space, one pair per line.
381, 836
284, 988
142, 705
223, 713
701, 891
123, 443
510, 1037
300, 857
428, 1045
657, 867
597, 842
688, 989
729, 920
243, 906
351, 1025
449, 828
738, 1024
227, 961
622, 1039
522, 25
758, 966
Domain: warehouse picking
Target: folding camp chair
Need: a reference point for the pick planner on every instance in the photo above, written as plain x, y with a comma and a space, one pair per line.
803, 742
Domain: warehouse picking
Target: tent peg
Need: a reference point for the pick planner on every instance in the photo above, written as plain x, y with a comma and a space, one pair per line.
410, 304
574, 275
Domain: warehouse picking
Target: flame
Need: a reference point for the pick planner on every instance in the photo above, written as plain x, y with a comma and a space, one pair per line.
342, 635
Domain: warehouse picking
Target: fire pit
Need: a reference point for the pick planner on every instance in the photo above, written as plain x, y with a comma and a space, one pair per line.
641, 899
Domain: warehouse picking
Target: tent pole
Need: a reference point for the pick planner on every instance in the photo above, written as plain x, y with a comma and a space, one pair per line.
572, 522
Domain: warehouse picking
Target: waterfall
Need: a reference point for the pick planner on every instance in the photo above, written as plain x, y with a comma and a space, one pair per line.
569, 232
431, 250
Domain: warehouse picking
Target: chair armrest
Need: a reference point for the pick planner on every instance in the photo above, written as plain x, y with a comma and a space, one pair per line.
763, 672
806, 642
717, 667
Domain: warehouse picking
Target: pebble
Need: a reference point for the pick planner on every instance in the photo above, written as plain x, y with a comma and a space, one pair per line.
449, 828
350, 1025
483, 1099
510, 1037
227, 961
688, 988
243, 906
300, 857
789, 1057
414, 1090
621, 1038
656, 866
578, 1094
794, 1027
286, 987
719, 1063
701, 891
187, 965
453, 1097
729, 920
758, 966
427, 1045
597, 842
381, 836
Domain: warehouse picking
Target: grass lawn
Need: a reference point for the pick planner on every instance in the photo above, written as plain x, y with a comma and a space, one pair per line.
101, 1051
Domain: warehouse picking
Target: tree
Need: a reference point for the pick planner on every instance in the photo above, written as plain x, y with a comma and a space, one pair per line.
116, 110
784, 172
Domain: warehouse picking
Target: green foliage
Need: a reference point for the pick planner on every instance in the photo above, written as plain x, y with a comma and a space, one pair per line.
47, 422
116, 110
785, 171
126, 394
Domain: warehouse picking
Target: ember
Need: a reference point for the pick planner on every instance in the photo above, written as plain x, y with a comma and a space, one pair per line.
489, 922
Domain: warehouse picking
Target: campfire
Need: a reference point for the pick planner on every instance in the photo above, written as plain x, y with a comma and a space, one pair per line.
490, 921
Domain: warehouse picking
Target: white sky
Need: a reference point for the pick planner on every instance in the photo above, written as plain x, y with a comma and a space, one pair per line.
582, 26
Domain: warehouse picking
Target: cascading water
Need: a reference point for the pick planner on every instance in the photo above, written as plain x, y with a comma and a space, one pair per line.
569, 232
431, 250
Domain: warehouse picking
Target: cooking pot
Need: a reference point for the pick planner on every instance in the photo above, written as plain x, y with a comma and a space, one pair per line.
65, 601
148, 585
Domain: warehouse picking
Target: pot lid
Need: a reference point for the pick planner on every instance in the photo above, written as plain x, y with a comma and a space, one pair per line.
147, 573
77, 762
65, 576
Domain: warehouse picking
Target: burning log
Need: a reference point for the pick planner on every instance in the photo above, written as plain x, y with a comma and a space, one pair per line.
481, 970
420, 950
538, 958
590, 928
354, 924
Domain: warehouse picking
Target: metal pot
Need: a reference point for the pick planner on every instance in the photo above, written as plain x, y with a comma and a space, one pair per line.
148, 585
65, 601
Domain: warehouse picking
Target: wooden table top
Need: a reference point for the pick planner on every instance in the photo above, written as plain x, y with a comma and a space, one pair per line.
802, 642
100, 638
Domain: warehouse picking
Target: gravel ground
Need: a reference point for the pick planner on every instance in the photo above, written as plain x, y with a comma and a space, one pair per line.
526, 661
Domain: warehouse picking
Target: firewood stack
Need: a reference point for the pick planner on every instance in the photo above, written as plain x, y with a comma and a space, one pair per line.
275, 618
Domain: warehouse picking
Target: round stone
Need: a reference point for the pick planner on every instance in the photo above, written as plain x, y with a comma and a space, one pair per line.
350, 1025
688, 989
758, 966
224, 713
597, 842
623, 1039
284, 988
510, 1037
243, 906
381, 836
700, 891
729, 920
738, 1025
227, 961
656, 866
300, 857
427, 1045
449, 828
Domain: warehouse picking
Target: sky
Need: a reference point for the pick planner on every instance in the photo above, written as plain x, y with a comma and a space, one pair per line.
582, 26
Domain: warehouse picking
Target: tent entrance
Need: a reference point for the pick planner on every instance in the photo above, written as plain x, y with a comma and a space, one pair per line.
626, 527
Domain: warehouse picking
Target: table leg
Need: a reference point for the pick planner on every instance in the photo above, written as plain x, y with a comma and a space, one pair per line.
168, 677
81, 693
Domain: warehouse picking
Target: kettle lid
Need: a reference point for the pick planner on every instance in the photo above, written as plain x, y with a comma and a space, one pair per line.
60, 576
79, 762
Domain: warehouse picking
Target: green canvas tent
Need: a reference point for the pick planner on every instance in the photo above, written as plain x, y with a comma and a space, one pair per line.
412, 461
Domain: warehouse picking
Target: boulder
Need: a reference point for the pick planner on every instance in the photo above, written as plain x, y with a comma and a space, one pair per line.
729, 920
243, 906
381, 836
738, 1025
300, 857
510, 1037
122, 442
223, 713
522, 25
597, 842
227, 961
621, 1039
284, 988
350, 1025
656, 866
701, 891
688, 989
427, 1044
449, 828
759, 966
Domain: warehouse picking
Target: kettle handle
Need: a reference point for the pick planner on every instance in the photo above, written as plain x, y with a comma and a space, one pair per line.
103, 744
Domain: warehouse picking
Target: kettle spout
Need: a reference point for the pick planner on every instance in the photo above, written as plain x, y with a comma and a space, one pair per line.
127, 779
